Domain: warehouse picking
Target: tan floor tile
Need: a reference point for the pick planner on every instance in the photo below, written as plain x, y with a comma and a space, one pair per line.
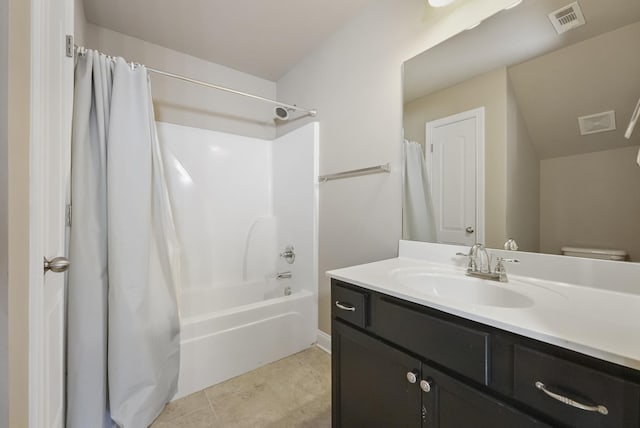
314, 414
289, 393
249, 408
183, 406
203, 418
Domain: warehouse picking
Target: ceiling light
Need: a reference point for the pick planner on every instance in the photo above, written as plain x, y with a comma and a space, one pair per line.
440, 3
514, 4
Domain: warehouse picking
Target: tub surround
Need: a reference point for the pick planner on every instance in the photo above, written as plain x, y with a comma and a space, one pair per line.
587, 306
238, 203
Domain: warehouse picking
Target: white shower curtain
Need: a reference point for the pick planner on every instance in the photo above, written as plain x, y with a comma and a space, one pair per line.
418, 221
123, 342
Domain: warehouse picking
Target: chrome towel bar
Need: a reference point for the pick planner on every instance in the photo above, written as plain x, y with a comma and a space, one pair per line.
355, 173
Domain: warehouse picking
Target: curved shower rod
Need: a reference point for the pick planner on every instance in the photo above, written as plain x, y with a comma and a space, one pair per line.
311, 112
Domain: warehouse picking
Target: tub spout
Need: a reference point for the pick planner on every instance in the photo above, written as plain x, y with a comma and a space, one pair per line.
283, 275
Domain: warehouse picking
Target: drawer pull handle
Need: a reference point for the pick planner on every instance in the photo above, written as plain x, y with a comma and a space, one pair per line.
345, 307
600, 408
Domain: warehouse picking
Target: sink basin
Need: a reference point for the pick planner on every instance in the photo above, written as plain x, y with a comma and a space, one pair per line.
461, 288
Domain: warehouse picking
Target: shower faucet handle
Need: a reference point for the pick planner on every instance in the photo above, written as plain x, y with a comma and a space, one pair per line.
288, 255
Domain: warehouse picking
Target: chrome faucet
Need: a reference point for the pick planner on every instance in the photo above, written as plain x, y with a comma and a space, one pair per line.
480, 264
284, 275
482, 260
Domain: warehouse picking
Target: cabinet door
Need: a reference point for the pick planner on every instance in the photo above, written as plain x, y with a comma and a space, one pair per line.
453, 404
370, 383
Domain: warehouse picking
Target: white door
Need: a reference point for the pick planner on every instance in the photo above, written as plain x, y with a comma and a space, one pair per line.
455, 161
51, 111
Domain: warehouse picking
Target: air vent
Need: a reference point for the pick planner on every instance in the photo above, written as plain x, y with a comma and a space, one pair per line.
567, 18
599, 122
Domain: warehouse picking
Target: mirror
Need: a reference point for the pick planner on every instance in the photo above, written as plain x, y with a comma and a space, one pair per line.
495, 111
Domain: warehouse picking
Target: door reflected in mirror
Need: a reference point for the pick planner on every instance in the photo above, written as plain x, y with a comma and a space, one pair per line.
546, 163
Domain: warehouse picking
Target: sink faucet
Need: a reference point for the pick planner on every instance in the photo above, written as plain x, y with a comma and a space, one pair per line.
482, 260
480, 264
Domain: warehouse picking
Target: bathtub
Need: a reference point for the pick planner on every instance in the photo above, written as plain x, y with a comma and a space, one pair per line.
230, 330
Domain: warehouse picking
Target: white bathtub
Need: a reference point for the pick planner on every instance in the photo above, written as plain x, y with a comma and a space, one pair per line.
218, 344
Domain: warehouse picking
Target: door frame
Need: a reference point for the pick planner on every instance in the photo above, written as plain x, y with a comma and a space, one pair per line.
479, 115
40, 47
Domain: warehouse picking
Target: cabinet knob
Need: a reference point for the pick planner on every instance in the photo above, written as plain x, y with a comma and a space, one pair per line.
425, 385
412, 376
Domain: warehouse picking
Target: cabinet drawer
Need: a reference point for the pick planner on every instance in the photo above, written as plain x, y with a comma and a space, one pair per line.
536, 372
459, 348
350, 305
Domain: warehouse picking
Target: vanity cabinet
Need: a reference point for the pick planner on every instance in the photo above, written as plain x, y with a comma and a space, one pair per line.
370, 385
399, 364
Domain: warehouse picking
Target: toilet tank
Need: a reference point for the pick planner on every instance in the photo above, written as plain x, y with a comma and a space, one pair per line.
595, 253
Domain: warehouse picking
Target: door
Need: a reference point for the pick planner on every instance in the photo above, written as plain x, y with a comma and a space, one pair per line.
455, 161
448, 403
51, 111
374, 385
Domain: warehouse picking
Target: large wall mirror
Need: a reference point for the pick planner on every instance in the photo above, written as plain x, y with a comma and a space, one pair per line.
515, 129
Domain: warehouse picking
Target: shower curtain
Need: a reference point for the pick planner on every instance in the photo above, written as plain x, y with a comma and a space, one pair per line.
123, 343
418, 219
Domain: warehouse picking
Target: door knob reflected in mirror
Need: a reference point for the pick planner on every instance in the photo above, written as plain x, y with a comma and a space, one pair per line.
469, 229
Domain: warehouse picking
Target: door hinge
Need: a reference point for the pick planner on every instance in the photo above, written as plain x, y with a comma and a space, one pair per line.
431, 148
68, 216
69, 45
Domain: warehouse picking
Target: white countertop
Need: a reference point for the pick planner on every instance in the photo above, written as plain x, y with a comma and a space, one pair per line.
601, 323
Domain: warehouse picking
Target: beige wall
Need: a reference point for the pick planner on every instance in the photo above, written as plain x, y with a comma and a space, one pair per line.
596, 75
4, 222
19, 40
591, 200
184, 103
523, 180
354, 80
80, 23
488, 90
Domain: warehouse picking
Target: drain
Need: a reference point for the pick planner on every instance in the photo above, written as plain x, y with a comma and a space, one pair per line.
287, 291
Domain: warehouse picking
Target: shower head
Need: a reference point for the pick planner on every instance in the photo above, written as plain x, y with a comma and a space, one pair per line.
282, 113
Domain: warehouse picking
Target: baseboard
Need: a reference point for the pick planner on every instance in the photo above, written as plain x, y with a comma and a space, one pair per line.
324, 341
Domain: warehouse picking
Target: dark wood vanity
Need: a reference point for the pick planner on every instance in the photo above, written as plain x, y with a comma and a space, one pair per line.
400, 364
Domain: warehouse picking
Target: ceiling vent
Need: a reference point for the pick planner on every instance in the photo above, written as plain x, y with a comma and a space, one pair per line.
600, 122
567, 18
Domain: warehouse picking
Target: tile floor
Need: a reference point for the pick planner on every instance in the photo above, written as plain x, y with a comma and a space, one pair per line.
289, 393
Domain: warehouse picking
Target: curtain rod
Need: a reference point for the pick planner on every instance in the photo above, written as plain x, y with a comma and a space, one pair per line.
312, 112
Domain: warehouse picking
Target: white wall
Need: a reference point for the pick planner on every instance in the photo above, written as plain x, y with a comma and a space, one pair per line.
185, 103
354, 80
4, 221
295, 202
